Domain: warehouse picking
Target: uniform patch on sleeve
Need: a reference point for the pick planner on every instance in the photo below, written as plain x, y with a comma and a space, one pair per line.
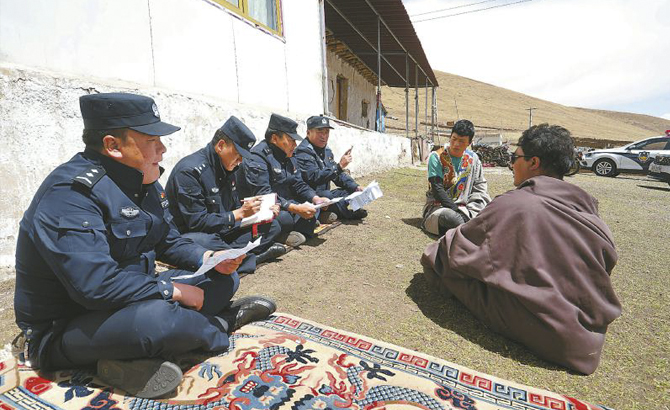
90, 177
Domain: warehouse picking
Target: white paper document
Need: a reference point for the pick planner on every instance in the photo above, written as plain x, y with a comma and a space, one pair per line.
358, 200
328, 202
221, 256
264, 214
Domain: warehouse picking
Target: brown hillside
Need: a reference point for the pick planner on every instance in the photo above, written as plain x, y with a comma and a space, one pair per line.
495, 108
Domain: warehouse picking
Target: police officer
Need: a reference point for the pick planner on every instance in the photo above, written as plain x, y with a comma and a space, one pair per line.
86, 288
319, 169
206, 205
272, 168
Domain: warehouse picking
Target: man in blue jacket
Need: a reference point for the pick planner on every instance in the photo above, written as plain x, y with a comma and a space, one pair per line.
87, 291
272, 168
319, 169
206, 204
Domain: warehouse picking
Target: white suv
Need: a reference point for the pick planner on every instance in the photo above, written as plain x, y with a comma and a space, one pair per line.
633, 158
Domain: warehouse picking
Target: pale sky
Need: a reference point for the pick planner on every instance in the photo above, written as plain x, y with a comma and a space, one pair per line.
605, 54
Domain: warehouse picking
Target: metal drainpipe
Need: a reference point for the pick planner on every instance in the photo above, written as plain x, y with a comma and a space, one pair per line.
379, 74
324, 64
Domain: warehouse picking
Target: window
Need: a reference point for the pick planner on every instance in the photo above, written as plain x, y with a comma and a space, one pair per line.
365, 108
266, 13
653, 145
341, 96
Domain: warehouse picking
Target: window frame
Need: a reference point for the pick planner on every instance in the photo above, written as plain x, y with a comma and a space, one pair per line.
243, 11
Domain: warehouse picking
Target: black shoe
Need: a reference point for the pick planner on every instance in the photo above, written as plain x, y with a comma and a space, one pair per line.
143, 378
273, 252
246, 310
360, 214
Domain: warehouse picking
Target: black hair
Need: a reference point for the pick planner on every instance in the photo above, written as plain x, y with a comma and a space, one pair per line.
554, 146
270, 132
220, 135
464, 128
93, 138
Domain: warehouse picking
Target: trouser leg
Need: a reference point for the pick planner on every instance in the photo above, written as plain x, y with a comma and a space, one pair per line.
341, 208
145, 329
216, 242
441, 220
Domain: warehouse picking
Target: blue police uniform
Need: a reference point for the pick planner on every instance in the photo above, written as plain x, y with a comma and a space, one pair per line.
271, 170
203, 196
319, 169
86, 286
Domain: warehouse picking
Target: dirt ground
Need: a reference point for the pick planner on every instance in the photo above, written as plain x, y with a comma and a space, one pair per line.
365, 278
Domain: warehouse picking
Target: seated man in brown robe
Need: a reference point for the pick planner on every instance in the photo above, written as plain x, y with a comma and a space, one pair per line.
535, 264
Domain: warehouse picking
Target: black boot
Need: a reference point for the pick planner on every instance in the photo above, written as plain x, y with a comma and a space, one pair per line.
273, 252
246, 310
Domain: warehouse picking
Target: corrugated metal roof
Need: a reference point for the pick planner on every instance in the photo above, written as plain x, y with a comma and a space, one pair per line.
354, 23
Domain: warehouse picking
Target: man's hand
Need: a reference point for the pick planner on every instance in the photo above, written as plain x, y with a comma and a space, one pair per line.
306, 211
320, 199
346, 159
188, 296
228, 266
275, 210
359, 189
248, 208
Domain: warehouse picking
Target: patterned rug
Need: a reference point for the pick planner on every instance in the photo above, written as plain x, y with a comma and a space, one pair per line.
290, 363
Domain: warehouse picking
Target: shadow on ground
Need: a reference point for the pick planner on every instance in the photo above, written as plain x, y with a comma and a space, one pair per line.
449, 313
654, 188
415, 222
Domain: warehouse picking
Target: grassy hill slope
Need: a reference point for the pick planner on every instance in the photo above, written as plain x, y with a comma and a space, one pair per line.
499, 109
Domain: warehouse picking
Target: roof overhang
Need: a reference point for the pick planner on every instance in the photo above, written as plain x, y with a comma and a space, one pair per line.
360, 27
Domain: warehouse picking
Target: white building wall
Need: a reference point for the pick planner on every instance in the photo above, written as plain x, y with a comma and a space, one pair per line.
201, 63
192, 46
359, 89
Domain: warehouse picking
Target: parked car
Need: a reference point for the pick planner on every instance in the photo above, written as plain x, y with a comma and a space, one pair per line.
660, 168
632, 158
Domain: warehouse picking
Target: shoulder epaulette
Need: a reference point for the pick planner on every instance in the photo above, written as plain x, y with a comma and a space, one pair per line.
90, 177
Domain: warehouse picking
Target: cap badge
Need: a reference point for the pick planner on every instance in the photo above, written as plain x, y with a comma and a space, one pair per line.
324, 121
154, 107
129, 212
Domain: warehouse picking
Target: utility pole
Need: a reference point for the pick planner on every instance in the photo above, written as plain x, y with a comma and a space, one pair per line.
458, 117
530, 116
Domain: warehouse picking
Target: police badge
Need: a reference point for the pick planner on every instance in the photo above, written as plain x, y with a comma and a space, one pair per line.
643, 156
129, 212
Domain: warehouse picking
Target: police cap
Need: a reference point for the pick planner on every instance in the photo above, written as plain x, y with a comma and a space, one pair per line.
318, 121
109, 111
240, 134
285, 125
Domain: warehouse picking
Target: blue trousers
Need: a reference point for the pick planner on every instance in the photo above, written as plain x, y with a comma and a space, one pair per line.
238, 238
145, 329
292, 222
340, 208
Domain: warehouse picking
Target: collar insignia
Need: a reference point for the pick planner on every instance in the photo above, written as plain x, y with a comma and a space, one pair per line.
215, 190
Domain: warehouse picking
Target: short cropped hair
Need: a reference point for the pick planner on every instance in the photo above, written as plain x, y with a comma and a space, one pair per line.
93, 138
554, 146
270, 132
220, 135
464, 128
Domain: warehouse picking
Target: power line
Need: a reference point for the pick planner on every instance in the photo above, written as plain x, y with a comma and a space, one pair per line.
472, 11
452, 8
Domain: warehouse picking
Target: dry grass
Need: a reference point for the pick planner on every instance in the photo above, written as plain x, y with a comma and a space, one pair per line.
365, 278
494, 107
